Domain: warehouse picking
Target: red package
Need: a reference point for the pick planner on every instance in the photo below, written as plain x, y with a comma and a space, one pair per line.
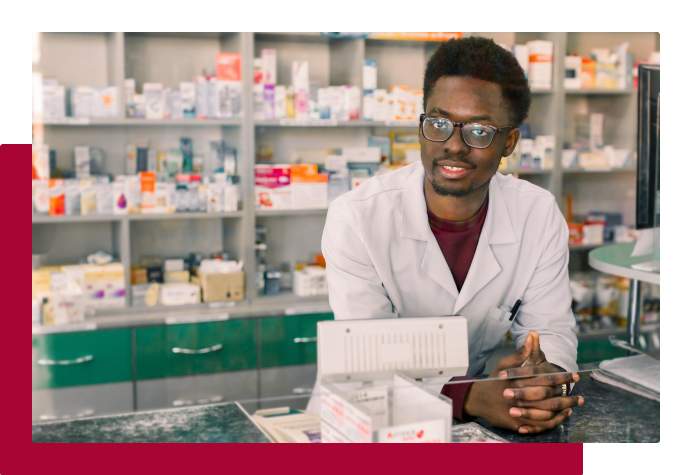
228, 66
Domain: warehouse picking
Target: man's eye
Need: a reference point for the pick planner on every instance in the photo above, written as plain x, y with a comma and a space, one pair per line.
479, 132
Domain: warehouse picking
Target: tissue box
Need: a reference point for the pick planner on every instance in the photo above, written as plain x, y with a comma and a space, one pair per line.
221, 287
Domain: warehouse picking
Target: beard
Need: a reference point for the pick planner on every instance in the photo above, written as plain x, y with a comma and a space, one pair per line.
442, 190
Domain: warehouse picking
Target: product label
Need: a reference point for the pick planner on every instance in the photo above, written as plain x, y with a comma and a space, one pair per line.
346, 418
417, 433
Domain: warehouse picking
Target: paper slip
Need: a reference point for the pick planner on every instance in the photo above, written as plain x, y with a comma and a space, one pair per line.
641, 370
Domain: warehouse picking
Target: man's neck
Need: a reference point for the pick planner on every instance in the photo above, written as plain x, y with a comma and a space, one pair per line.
451, 208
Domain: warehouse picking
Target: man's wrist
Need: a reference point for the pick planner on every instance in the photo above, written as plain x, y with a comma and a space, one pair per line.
468, 408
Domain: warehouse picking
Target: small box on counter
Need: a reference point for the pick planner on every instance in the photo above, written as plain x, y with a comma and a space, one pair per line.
221, 287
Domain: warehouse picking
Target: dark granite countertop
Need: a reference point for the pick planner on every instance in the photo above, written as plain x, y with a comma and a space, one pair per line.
214, 423
610, 414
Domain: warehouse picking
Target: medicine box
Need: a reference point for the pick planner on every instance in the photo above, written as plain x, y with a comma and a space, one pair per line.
53, 102
540, 64
172, 277
309, 189
145, 295
269, 66
402, 141
153, 98
228, 66
221, 287
272, 186
179, 294
95, 102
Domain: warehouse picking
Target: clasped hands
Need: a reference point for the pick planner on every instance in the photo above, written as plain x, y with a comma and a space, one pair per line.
528, 405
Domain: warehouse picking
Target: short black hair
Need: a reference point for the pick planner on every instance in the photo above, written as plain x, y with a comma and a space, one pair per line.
481, 58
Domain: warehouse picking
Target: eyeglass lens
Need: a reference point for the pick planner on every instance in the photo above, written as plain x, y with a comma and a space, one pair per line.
475, 135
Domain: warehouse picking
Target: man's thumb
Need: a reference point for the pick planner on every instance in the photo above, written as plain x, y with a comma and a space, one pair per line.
517, 358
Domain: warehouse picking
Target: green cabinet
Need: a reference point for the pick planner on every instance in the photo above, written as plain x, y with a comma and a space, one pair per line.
594, 351
198, 348
81, 358
291, 340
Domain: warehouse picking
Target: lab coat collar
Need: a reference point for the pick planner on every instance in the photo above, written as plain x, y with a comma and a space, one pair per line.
414, 210
497, 230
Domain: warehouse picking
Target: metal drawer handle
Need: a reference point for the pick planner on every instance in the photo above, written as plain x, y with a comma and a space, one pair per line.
186, 351
188, 402
83, 359
305, 340
51, 417
302, 391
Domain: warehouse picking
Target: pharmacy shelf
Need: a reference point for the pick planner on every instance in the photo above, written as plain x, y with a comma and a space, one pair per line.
290, 212
78, 122
577, 171
173, 216
131, 217
75, 219
525, 172
334, 123
599, 92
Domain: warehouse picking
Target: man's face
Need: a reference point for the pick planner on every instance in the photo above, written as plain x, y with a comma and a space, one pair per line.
454, 168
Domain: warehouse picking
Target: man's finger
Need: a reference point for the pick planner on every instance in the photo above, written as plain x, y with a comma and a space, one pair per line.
536, 354
540, 426
546, 379
521, 371
532, 414
535, 393
515, 359
553, 404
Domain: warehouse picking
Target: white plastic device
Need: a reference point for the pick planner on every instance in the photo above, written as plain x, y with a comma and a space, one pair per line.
365, 350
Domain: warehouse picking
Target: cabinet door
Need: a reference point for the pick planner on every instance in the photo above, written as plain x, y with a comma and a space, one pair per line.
197, 348
198, 390
290, 341
82, 401
293, 386
81, 358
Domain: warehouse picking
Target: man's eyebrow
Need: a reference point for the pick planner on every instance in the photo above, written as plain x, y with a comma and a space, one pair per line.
437, 110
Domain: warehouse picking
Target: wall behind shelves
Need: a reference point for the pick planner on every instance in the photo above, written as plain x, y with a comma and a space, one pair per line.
317, 55
76, 59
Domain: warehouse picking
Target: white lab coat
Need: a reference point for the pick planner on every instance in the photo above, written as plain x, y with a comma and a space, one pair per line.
383, 261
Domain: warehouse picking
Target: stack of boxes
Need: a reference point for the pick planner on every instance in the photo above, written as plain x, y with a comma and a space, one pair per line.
62, 294
175, 282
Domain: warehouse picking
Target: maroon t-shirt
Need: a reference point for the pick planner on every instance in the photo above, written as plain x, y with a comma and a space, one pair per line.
458, 241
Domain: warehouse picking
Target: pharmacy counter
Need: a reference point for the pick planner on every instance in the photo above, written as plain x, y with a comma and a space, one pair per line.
609, 415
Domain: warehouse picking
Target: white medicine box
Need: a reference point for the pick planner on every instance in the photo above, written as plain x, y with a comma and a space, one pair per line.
395, 410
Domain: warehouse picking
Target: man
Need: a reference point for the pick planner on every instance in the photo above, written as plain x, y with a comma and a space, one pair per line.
451, 236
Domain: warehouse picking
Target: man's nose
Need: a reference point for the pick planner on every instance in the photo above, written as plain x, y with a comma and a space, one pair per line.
455, 144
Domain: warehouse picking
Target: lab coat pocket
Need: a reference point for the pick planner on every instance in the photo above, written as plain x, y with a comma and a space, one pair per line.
496, 326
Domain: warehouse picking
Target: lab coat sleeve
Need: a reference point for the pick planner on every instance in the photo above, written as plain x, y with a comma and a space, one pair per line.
547, 301
355, 289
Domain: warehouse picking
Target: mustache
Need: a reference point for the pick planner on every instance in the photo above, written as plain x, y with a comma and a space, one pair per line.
436, 161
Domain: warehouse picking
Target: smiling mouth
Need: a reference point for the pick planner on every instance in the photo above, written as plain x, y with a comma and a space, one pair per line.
452, 172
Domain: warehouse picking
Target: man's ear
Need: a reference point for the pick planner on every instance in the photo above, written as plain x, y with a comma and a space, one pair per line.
512, 141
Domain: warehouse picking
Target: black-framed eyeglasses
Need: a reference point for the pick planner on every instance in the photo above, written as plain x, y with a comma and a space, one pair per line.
439, 129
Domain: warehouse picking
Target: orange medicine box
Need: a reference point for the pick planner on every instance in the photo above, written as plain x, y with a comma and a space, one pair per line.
309, 189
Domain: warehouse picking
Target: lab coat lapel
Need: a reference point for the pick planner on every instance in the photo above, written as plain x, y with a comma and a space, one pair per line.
414, 225
435, 265
497, 230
